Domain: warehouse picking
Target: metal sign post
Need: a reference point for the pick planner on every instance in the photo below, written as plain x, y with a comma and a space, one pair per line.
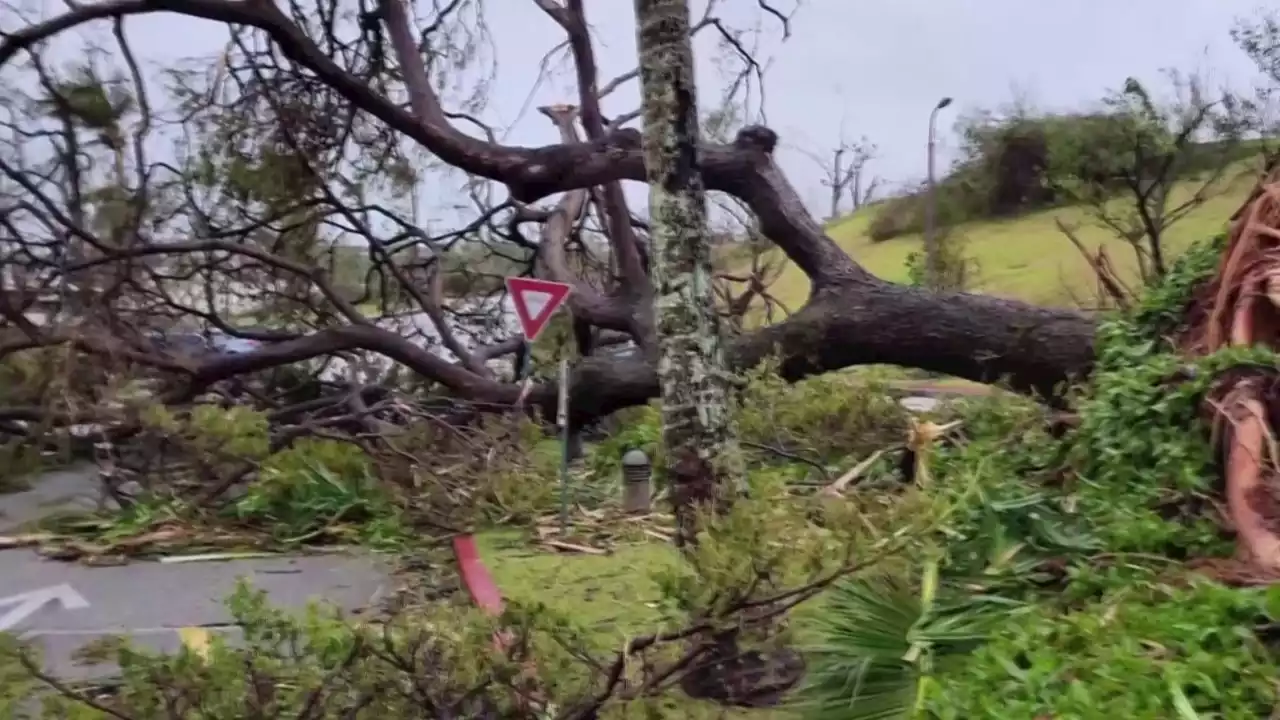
562, 420
535, 302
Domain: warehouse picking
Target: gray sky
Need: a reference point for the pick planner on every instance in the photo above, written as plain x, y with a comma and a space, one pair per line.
875, 67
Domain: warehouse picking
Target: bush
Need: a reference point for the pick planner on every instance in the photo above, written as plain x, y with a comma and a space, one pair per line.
828, 417
897, 216
1145, 652
436, 662
958, 269
312, 486
1024, 162
1084, 537
905, 214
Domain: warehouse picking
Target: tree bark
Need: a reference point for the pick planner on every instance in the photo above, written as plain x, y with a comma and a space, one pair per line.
704, 465
851, 318
692, 377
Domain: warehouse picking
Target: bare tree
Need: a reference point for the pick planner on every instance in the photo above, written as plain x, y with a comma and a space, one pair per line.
1259, 38
1154, 149
845, 174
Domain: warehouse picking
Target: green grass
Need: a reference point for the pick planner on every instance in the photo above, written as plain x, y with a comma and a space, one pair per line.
610, 595
1025, 257
613, 597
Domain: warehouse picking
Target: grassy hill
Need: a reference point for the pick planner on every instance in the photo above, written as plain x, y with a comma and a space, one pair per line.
1025, 257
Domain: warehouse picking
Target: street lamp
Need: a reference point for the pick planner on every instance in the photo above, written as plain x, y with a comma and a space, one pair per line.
931, 269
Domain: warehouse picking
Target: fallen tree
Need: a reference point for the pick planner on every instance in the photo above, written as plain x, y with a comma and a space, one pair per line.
1240, 308
851, 317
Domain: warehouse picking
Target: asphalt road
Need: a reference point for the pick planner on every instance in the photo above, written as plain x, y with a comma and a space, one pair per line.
61, 606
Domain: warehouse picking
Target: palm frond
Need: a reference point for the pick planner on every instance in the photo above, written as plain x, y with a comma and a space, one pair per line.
879, 639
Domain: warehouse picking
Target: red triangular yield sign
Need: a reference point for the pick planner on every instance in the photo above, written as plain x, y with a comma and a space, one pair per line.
535, 301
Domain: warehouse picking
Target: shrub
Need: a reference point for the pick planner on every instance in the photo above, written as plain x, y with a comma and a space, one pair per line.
1145, 652
1084, 536
828, 417
436, 662
959, 270
311, 487
905, 214
897, 216
1025, 162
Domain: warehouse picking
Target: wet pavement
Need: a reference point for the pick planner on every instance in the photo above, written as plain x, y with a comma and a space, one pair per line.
61, 606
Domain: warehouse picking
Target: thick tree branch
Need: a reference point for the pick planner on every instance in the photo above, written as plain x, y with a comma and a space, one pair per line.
573, 19
744, 169
852, 317
585, 302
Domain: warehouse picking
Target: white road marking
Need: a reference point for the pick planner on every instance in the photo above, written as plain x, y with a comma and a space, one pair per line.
24, 605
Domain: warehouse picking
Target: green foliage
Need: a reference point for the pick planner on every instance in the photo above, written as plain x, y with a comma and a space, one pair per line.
828, 417
210, 430
46, 379
95, 104
1144, 651
16, 683
1024, 161
521, 481
642, 430
883, 641
1086, 530
505, 470
739, 548
1162, 308
1142, 453
322, 666
313, 486
959, 270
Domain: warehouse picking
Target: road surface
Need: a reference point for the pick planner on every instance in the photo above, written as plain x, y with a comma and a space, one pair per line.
61, 606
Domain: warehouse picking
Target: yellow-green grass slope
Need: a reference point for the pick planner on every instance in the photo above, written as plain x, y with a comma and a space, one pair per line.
1027, 257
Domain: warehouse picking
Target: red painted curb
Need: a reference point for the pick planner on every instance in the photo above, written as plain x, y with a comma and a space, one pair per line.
475, 576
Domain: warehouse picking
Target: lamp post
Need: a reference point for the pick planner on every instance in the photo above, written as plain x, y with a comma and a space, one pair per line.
637, 472
931, 269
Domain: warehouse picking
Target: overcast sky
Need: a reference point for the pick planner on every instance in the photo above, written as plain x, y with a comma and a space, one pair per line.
875, 67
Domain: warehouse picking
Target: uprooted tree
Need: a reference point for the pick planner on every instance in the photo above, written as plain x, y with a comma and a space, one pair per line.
287, 220
255, 191
287, 217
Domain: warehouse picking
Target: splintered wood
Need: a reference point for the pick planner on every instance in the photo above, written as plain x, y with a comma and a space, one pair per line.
1241, 308
598, 532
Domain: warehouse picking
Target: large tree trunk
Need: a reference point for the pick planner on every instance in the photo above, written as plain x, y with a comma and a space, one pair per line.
857, 320
704, 467
851, 318
864, 321
701, 453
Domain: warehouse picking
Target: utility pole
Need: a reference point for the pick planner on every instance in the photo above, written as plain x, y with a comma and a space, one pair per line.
932, 270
